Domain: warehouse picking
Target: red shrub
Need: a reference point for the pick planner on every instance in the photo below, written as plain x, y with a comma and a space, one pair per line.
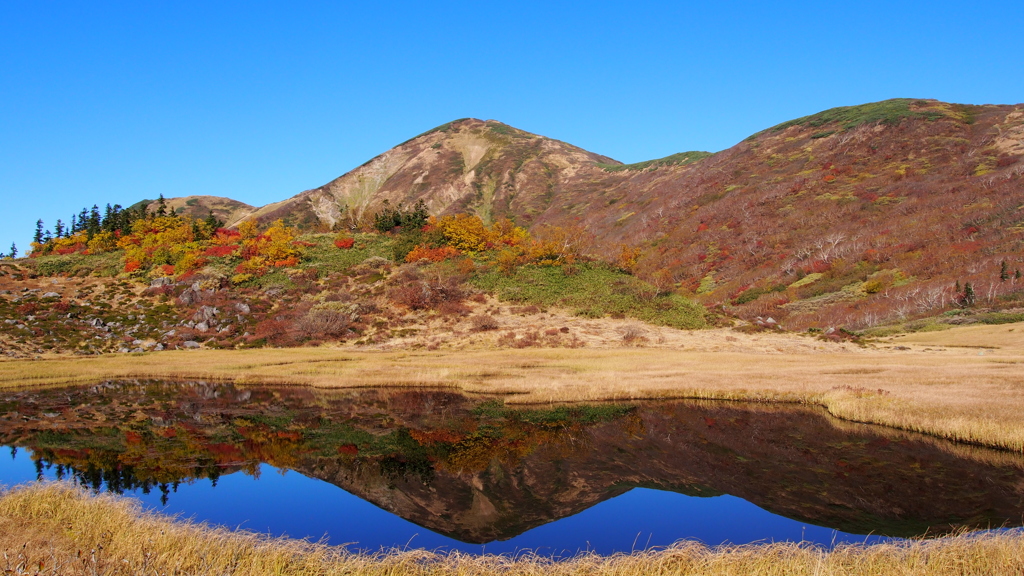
345, 243
818, 266
220, 251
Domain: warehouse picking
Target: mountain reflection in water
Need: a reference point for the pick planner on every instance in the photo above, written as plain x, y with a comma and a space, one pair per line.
477, 471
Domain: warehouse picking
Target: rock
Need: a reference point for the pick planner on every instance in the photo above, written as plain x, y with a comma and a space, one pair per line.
190, 345
205, 314
158, 347
136, 342
169, 333
137, 350
770, 320
202, 326
242, 308
51, 295
123, 350
158, 282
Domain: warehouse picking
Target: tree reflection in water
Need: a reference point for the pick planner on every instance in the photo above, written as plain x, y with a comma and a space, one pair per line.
477, 470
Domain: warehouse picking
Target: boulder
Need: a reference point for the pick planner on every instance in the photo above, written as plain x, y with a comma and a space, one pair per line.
190, 345
205, 314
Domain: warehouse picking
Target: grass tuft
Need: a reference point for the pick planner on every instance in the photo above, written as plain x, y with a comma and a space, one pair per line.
56, 528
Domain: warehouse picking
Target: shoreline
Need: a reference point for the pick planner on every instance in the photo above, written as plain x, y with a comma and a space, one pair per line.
951, 392
55, 528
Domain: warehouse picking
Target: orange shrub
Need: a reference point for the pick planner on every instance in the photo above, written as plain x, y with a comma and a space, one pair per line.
422, 252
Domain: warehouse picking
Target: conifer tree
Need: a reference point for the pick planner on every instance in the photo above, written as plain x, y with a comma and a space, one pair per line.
14, 250
969, 297
212, 223
161, 206
38, 238
92, 226
59, 229
1004, 275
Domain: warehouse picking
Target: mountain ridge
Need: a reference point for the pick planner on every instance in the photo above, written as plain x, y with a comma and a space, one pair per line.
851, 217
744, 228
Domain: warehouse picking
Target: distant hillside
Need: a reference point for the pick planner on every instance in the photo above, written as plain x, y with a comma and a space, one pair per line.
852, 217
224, 209
483, 168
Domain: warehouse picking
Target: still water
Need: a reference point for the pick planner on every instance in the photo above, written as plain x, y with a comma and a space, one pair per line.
439, 470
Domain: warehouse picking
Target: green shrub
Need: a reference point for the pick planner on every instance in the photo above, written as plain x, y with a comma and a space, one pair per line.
596, 290
678, 159
888, 112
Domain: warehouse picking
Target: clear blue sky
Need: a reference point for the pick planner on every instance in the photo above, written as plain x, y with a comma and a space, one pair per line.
118, 101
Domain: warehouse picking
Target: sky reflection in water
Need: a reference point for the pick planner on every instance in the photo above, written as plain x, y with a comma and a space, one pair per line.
383, 468
291, 504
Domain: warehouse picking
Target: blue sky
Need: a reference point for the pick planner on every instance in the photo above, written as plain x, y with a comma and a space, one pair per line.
118, 101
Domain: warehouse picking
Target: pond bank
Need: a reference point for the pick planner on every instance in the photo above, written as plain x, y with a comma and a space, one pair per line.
60, 529
967, 394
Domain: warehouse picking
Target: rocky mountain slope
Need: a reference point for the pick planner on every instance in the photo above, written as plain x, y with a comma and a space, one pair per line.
851, 217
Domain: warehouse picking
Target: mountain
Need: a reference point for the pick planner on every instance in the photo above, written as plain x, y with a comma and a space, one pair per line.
480, 167
851, 217
226, 210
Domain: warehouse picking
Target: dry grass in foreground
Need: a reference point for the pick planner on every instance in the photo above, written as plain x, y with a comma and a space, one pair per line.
59, 529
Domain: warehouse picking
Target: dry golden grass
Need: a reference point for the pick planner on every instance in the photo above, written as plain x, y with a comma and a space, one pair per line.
58, 529
965, 394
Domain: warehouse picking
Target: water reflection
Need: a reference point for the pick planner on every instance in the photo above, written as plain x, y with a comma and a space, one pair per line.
478, 471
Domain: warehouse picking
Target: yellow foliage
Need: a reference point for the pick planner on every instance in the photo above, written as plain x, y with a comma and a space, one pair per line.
67, 244
102, 242
628, 257
248, 229
505, 232
464, 232
274, 247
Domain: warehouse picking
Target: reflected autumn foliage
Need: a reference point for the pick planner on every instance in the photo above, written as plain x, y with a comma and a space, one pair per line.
476, 469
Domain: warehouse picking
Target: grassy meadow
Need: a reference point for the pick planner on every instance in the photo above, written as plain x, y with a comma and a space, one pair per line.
966, 392
59, 529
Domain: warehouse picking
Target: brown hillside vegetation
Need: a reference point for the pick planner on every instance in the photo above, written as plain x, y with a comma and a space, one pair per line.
852, 217
229, 211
